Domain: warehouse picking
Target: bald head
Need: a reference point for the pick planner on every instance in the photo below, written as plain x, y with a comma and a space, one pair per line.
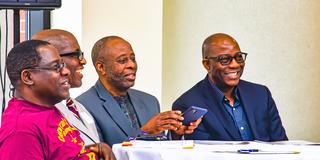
102, 45
61, 39
218, 39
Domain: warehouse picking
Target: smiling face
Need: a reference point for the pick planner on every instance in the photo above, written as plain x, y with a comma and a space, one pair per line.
50, 82
119, 66
226, 77
74, 64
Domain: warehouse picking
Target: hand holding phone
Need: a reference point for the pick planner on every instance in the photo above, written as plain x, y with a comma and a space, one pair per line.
192, 114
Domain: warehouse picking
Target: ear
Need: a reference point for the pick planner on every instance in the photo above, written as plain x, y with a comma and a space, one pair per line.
100, 68
26, 78
206, 64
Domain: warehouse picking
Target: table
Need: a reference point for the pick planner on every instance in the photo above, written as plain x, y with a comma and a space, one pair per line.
217, 150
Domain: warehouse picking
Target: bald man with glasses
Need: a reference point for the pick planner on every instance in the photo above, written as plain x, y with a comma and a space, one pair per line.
237, 110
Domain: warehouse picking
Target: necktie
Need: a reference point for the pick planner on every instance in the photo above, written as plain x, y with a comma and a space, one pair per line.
72, 107
128, 110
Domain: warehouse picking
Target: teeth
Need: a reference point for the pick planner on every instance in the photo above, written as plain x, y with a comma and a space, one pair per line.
79, 71
232, 74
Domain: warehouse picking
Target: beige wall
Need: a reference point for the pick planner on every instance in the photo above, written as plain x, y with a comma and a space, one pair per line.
281, 37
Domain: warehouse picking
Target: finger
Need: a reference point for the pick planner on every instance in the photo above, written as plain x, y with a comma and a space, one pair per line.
188, 131
181, 130
171, 115
197, 122
168, 127
170, 122
93, 148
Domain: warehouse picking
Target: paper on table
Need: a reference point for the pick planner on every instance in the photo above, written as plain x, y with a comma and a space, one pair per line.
291, 142
185, 144
221, 142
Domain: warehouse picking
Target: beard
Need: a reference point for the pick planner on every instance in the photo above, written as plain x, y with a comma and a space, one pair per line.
119, 81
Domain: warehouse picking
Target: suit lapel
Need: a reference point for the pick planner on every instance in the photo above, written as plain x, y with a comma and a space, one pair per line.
75, 121
248, 108
219, 110
139, 108
113, 109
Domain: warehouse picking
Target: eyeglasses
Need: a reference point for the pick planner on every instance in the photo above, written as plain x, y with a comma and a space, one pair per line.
57, 67
78, 54
225, 59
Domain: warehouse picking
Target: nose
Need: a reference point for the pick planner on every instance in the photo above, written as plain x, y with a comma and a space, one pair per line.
83, 61
132, 64
65, 71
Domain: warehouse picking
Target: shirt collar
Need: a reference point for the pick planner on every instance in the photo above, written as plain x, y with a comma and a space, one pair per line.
220, 93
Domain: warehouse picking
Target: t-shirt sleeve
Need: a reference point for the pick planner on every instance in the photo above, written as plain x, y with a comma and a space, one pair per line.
22, 145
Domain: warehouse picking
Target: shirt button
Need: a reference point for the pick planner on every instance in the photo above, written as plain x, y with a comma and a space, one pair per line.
241, 128
234, 109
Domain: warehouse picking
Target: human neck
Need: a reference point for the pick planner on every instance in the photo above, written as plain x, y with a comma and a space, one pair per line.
112, 90
227, 91
30, 97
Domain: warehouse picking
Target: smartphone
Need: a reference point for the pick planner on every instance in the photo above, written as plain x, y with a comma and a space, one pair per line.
192, 114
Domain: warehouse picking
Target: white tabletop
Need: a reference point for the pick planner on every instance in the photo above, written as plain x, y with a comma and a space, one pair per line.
221, 150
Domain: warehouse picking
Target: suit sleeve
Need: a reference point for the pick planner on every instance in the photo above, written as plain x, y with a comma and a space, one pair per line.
276, 130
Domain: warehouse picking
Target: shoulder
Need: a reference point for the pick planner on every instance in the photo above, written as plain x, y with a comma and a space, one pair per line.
142, 96
29, 120
252, 86
193, 95
138, 93
196, 90
88, 96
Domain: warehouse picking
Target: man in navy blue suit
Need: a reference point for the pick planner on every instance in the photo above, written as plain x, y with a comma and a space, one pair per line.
237, 109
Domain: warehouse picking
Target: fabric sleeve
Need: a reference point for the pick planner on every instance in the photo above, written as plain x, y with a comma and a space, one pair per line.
22, 145
277, 132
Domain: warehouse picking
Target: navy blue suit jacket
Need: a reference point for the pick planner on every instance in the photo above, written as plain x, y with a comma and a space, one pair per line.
217, 124
112, 124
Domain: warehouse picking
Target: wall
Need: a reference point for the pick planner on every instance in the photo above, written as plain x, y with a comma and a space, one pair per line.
281, 37
139, 22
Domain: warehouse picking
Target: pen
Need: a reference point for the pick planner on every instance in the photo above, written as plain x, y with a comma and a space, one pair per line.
257, 151
247, 150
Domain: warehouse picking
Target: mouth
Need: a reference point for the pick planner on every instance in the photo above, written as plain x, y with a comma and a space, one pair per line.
233, 74
65, 84
79, 72
130, 76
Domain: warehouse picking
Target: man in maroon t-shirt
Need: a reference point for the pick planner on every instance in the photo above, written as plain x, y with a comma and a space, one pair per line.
32, 128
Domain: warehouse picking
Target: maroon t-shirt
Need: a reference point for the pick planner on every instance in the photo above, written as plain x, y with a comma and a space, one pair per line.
31, 131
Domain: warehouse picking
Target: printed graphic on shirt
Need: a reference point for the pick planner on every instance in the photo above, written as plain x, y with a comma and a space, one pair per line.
65, 129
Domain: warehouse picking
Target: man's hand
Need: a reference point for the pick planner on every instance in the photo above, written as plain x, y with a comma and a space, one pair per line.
169, 120
103, 150
188, 129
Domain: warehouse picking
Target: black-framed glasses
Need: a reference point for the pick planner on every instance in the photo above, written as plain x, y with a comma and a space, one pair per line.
78, 54
225, 59
57, 67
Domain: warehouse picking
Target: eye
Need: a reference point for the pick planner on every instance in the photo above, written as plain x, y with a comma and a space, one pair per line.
122, 60
239, 57
224, 58
133, 58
